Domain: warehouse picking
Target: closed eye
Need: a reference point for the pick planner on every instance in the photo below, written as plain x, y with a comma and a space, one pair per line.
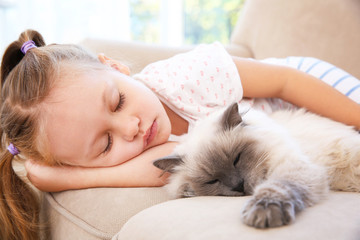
237, 159
109, 144
121, 102
212, 181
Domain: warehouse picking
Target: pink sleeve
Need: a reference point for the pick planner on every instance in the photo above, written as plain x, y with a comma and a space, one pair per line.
195, 83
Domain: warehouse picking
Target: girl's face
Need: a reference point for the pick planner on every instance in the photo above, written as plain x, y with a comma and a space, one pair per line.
103, 119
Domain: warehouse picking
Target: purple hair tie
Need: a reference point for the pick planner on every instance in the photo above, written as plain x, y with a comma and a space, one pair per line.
12, 149
27, 46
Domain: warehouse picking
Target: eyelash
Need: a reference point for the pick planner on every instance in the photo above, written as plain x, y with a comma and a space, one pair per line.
109, 145
117, 108
121, 102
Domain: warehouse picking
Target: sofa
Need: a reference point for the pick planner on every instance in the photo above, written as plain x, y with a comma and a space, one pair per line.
325, 29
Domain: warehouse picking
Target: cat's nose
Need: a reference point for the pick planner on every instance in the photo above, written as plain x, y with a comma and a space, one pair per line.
239, 187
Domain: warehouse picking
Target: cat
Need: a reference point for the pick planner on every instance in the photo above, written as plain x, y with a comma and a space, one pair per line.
287, 161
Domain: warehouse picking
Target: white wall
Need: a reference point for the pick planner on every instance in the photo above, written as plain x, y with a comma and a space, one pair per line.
64, 21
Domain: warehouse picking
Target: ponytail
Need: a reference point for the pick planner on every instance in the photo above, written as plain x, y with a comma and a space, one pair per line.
13, 54
19, 205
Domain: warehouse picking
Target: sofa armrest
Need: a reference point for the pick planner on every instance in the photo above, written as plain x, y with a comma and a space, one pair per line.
137, 55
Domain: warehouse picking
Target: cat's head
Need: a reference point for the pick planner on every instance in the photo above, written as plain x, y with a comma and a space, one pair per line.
219, 157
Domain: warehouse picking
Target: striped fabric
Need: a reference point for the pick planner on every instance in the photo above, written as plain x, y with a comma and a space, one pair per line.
334, 76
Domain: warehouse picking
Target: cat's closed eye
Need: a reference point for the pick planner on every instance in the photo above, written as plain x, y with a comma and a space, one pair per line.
237, 159
212, 181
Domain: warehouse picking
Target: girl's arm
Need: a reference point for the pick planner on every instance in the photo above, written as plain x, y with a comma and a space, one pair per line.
137, 172
261, 80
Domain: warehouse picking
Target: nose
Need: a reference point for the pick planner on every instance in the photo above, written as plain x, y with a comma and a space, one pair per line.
239, 187
128, 128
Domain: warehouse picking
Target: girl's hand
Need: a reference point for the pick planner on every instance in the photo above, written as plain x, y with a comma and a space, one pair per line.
137, 172
54, 178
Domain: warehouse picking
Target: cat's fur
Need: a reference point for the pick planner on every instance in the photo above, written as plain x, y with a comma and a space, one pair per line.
287, 161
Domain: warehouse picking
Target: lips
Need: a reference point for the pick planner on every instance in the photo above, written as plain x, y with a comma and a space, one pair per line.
150, 134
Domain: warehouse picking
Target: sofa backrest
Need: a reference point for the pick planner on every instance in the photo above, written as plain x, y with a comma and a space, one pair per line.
325, 29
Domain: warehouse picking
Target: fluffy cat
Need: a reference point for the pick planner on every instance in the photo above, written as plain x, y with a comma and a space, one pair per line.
287, 161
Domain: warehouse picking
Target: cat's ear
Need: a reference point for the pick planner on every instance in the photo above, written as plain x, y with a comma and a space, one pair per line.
231, 117
168, 163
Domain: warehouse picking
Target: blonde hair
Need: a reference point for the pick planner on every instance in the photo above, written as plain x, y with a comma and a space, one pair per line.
26, 81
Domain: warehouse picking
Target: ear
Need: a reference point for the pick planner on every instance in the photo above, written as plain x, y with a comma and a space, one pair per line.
168, 163
231, 117
114, 64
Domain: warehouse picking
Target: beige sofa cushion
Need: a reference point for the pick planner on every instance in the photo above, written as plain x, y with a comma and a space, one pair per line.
96, 213
216, 218
325, 29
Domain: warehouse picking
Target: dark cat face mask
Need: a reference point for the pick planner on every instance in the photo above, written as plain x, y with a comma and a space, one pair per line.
219, 157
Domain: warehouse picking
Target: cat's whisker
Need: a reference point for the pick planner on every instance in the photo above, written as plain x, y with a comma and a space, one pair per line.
263, 158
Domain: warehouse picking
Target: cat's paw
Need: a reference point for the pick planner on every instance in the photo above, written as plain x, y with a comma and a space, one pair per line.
268, 213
